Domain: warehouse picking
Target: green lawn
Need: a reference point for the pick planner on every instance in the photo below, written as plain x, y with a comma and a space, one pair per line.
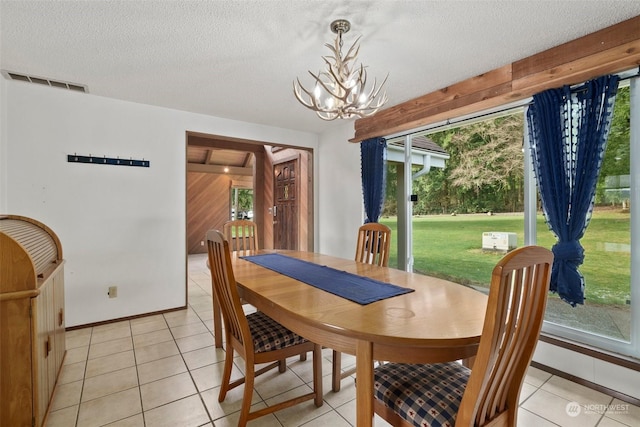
451, 247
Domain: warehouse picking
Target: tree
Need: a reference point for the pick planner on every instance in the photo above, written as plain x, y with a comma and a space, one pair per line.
484, 172
617, 158
491, 162
245, 201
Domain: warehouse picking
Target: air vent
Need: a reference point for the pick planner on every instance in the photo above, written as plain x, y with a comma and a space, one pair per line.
44, 81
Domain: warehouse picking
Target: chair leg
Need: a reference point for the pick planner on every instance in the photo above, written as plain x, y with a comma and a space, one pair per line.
226, 374
249, 376
336, 375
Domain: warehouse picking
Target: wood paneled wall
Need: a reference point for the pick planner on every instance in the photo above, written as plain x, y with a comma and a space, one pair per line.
208, 206
267, 191
611, 50
306, 202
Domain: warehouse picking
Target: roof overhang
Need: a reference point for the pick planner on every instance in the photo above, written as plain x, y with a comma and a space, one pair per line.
421, 156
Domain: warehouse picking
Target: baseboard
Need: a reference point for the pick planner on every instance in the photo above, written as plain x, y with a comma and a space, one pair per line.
120, 319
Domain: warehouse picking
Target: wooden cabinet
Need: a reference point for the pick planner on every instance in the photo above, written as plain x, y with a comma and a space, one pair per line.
32, 340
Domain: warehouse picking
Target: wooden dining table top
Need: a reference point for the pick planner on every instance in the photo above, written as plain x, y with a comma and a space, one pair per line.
440, 321
438, 313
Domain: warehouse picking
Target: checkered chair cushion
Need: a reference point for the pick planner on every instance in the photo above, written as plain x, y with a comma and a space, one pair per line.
425, 395
270, 335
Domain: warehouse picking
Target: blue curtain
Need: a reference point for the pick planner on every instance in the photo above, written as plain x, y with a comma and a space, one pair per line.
568, 129
373, 159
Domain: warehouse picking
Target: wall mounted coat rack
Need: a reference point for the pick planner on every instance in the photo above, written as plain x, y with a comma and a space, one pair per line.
74, 158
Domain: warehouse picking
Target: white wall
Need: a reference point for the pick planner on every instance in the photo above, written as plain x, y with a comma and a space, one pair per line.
599, 372
340, 192
118, 225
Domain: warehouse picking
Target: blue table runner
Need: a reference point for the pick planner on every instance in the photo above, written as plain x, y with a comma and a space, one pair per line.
362, 290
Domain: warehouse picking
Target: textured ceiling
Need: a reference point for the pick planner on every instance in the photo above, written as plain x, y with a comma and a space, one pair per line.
238, 59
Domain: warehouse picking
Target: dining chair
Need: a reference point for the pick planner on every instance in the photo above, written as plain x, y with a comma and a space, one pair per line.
241, 234
257, 338
244, 235
373, 244
488, 394
372, 247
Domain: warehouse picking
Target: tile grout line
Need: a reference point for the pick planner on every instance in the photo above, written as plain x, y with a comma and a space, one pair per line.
84, 376
193, 381
135, 360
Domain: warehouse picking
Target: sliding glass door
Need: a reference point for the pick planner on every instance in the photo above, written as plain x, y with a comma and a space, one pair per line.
456, 220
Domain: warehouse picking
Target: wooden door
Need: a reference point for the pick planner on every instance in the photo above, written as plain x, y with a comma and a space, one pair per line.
285, 214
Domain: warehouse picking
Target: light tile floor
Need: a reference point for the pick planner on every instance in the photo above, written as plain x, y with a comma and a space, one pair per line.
163, 370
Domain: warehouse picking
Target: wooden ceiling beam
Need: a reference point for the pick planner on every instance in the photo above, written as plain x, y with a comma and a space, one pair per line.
209, 157
610, 50
242, 182
224, 144
247, 160
231, 170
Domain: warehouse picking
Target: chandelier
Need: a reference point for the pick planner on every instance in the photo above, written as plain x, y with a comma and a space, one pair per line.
340, 90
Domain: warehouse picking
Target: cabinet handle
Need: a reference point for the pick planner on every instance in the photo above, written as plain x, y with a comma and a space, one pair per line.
47, 346
61, 317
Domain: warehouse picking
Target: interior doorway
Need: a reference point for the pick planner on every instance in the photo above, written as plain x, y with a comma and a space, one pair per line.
217, 165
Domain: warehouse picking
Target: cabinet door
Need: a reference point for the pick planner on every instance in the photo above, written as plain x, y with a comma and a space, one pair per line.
59, 314
15, 362
44, 356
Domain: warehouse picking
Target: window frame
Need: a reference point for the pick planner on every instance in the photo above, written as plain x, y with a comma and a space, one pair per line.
631, 348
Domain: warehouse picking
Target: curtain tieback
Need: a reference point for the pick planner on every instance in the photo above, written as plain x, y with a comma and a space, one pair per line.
568, 251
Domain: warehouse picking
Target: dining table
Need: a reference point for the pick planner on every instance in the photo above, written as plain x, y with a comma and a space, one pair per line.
435, 320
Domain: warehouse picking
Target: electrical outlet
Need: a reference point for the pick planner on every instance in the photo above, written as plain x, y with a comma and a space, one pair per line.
113, 291
201, 242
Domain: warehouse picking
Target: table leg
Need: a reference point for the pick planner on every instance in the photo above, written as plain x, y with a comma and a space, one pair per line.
364, 383
468, 362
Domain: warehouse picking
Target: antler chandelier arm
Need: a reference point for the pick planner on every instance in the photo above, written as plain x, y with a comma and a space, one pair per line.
327, 114
312, 102
351, 55
374, 92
